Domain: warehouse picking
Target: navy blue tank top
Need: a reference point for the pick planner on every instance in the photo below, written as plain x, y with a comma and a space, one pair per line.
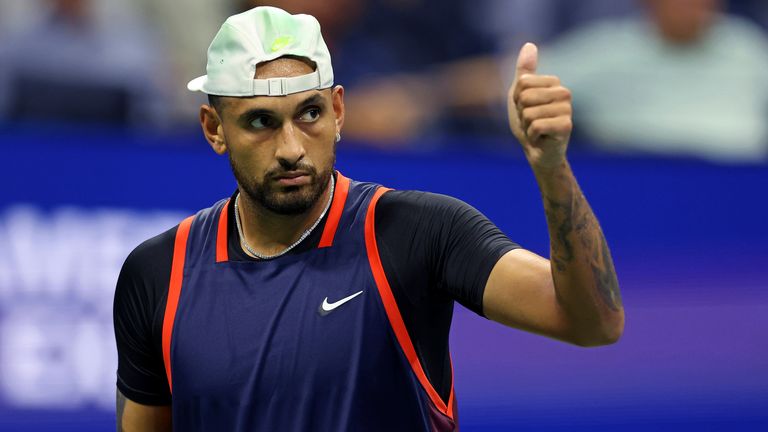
308, 341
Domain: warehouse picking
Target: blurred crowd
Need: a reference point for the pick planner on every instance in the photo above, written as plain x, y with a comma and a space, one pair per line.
669, 77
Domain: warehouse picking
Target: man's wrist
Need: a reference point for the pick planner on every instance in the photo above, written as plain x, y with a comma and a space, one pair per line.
550, 170
555, 182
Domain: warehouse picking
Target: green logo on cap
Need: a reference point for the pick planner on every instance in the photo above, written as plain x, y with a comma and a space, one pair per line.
281, 42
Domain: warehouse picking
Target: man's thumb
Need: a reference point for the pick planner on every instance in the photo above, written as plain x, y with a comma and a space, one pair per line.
527, 60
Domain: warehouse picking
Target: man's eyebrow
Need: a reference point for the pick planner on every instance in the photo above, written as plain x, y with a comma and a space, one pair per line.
315, 99
255, 112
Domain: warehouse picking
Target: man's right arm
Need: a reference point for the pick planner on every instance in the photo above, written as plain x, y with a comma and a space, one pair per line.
132, 416
143, 396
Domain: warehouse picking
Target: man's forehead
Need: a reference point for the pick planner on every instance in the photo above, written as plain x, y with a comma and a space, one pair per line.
283, 67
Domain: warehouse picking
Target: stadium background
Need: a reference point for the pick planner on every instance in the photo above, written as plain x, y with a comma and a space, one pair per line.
689, 240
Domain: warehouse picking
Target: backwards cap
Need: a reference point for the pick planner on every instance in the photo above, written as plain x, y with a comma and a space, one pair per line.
260, 35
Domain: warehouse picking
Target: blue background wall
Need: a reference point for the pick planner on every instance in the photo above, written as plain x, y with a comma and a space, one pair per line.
689, 240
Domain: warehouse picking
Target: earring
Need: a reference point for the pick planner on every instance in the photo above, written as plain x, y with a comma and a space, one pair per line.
338, 137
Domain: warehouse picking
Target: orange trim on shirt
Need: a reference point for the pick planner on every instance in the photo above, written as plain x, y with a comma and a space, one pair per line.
174, 291
451, 398
334, 214
393, 312
222, 254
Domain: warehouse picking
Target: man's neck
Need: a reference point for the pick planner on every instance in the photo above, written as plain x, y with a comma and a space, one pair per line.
270, 233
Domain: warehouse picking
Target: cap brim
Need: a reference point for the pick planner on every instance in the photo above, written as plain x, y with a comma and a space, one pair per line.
197, 83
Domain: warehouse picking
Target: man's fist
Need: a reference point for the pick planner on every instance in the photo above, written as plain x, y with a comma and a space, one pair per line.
540, 112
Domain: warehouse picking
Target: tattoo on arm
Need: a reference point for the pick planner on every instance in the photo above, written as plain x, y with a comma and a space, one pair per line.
575, 218
563, 254
605, 275
120, 405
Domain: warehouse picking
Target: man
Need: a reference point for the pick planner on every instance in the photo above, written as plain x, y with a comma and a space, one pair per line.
308, 301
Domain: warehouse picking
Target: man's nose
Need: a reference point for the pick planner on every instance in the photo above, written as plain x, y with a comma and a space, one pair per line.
290, 149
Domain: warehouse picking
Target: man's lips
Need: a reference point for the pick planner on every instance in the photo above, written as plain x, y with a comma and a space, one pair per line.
291, 174
293, 178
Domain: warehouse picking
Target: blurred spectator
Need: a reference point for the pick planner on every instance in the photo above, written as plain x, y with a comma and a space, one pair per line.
187, 28
757, 10
681, 79
73, 63
516, 22
408, 70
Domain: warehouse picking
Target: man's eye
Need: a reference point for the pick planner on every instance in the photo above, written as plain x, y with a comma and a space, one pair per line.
261, 122
310, 115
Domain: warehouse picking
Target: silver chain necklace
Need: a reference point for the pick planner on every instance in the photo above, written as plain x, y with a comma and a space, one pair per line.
304, 235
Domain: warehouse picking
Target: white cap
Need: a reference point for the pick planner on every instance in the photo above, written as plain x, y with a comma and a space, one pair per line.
260, 35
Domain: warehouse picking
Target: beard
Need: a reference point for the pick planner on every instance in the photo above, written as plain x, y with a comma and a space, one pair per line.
283, 200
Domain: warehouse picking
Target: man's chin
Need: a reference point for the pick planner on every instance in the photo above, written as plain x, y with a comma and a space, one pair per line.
294, 200
288, 199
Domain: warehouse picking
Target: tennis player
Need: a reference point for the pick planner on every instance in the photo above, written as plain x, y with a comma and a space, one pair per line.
308, 301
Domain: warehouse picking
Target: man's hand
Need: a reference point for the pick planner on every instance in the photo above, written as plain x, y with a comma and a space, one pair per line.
540, 112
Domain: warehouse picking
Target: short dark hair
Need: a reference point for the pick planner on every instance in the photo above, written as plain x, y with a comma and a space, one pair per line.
215, 102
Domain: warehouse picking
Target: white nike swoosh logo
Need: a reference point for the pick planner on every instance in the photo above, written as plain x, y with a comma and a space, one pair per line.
326, 307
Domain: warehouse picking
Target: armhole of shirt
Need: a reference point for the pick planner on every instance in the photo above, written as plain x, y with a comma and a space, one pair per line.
407, 212
143, 379
393, 313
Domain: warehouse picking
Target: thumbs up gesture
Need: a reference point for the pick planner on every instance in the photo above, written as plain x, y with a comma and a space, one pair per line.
540, 112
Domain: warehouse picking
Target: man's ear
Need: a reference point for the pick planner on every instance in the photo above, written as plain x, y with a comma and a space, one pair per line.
213, 130
337, 95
